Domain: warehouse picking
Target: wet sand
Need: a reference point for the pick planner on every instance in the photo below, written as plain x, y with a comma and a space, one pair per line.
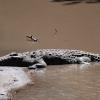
57, 26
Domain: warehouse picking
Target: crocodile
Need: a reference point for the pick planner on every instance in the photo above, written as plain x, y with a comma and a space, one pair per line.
40, 58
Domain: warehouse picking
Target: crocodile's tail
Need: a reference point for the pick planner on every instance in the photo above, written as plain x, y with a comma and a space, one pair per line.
89, 58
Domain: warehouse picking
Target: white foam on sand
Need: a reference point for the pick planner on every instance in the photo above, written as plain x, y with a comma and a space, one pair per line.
12, 78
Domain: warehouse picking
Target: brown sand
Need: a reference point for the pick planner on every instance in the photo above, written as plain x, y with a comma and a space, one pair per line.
77, 25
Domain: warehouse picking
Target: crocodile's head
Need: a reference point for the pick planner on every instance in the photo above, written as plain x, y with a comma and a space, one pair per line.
18, 59
27, 59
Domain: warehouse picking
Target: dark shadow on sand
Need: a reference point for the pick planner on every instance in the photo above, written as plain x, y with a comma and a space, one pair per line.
72, 2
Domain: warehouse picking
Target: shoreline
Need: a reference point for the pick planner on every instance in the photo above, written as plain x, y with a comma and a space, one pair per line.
12, 79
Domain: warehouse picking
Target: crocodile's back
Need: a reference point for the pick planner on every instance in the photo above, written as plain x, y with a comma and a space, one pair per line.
60, 52
65, 56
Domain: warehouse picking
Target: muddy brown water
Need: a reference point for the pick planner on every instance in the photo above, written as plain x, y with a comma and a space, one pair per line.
66, 82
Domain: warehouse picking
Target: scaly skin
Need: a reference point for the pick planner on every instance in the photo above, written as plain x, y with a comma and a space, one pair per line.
43, 57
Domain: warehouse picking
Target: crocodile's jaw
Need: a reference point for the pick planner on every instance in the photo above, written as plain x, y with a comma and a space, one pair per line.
16, 59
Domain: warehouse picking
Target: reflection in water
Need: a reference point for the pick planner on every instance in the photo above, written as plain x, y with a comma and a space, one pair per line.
66, 82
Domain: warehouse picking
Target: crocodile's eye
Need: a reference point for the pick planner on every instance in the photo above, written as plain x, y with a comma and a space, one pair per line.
50, 54
32, 56
15, 54
33, 52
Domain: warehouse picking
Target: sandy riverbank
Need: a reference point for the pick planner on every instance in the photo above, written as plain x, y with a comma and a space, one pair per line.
77, 25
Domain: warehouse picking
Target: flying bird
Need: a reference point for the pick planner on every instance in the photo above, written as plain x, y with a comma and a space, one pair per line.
31, 38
